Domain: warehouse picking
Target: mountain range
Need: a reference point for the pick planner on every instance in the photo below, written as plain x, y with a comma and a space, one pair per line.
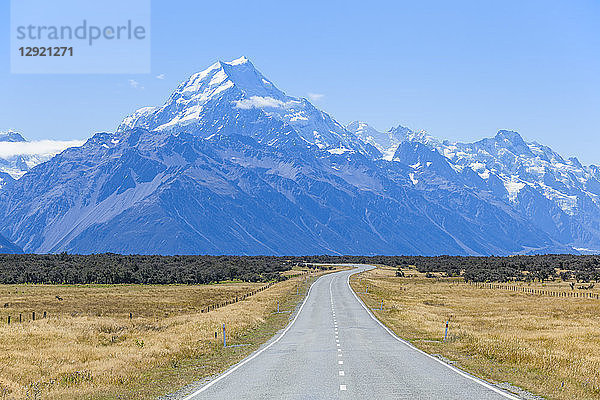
16, 165
230, 164
18, 155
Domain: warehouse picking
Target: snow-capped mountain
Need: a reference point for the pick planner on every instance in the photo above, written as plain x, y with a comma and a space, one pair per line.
11, 136
385, 142
15, 165
559, 195
230, 164
521, 164
229, 97
18, 155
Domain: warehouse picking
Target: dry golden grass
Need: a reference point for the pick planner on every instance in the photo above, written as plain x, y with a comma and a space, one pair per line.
114, 300
547, 345
88, 348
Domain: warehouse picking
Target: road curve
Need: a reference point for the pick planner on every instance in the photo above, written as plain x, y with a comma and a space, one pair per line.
336, 349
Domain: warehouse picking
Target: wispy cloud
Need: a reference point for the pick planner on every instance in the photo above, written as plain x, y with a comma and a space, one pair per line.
261, 102
161, 76
135, 84
315, 96
40, 148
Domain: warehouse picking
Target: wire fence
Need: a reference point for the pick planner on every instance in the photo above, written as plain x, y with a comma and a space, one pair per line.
536, 291
25, 317
216, 306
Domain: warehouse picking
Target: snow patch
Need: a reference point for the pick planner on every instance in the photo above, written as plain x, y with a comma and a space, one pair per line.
261, 102
339, 150
513, 187
412, 178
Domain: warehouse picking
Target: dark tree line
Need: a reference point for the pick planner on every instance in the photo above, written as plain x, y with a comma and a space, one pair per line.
488, 269
513, 268
116, 269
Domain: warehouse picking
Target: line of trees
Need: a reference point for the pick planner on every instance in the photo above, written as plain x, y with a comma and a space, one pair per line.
510, 269
488, 269
118, 269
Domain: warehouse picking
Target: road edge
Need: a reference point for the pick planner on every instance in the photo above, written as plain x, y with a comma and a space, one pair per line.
459, 371
274, 339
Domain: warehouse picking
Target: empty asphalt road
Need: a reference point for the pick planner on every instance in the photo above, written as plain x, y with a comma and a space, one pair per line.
335, 349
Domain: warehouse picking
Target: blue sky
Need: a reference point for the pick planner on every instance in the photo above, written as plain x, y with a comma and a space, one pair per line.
460, 70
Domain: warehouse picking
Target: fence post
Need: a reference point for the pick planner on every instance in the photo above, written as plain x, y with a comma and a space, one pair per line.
9, 319
33, 316
446, 331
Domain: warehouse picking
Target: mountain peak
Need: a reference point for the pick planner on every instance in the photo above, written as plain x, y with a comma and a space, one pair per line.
237, 80
242, 73
237, 61
511, 141
11, 136
361, 129
385, 142
509, 136
241, 99
403, 133
223, 75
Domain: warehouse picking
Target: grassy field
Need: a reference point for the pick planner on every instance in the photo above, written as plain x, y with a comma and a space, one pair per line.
88, 347
549, 346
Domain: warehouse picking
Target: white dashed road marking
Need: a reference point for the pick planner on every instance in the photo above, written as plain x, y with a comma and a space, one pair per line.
337, 338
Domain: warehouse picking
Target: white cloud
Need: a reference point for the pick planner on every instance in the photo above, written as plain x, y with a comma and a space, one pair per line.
40, 148
160, 76
315, 96
261, 102
135, 84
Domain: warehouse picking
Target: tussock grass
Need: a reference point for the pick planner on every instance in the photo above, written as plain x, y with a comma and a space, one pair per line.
89, 348
547, 345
